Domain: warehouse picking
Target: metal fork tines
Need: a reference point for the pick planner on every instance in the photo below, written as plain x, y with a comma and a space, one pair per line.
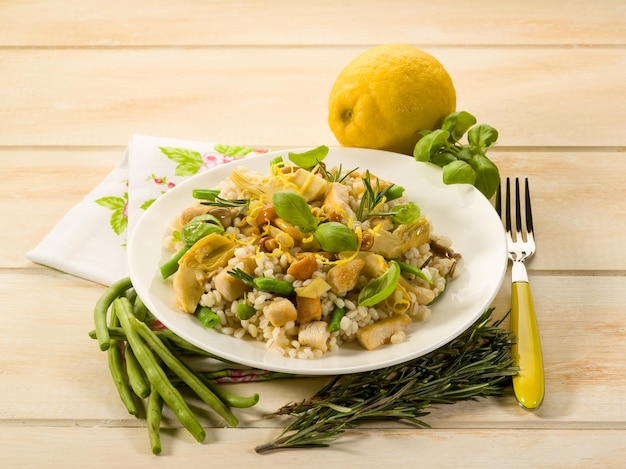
528, 384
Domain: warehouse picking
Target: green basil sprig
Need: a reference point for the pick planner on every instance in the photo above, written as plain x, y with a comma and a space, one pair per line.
461, 163
380, 288
294, 209
310, 158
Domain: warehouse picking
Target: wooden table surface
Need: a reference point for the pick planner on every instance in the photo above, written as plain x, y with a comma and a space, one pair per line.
78, 78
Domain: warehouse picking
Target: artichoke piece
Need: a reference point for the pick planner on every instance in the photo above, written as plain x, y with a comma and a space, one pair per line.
251, 182
197, 266
392, 244
309, 185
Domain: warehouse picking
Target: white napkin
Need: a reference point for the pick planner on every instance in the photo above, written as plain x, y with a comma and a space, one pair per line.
90, 240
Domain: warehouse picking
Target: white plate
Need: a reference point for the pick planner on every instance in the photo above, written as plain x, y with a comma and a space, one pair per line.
458, 211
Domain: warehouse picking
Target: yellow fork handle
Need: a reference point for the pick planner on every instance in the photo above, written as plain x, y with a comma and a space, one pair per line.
528, 384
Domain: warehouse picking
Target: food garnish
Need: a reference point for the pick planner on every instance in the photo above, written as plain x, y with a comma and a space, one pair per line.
461, 163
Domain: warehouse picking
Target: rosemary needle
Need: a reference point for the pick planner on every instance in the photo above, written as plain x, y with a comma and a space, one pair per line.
476, 364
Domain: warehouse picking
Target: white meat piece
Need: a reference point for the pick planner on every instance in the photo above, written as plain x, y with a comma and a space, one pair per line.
314, 334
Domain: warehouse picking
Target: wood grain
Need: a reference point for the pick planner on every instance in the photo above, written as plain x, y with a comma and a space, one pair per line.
101, 23
278, 96
79, 78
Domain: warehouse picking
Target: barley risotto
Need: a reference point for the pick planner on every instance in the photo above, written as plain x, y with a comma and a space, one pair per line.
308, 258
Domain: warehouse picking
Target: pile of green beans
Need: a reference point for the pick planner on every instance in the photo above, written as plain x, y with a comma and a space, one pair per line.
146, 370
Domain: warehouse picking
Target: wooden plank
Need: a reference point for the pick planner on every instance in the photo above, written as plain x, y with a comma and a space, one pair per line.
25, 446
49, 315
538, 97
327, 22
590, 198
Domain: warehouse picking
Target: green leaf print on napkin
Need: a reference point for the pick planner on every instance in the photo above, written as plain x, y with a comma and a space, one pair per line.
232, 150
119, 216
188, 162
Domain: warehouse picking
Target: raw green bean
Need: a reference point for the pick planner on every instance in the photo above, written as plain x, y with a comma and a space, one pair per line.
154, 412
136, 376
171, 265
182, 371
157, 377
116, 366
229, 398
180, 344
114, 333
139, 309
102, 307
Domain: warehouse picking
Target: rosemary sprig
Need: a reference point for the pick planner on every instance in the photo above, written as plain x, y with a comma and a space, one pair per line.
220, 202
476, 364
335, 176
372, 196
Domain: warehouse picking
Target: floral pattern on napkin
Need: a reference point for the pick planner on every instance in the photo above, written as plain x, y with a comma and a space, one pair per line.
90, 240
188, 163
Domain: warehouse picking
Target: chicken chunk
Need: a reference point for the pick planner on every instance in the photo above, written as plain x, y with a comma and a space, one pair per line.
343, 277
280, 311
338, 199
314, 334
228, 286
374, 335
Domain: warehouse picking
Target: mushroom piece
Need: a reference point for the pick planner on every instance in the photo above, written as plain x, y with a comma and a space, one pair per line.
199, 264
303, 268
314, 334
374, 335
309, 309
280, 311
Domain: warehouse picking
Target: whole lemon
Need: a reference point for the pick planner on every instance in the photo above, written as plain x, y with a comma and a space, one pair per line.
386, 95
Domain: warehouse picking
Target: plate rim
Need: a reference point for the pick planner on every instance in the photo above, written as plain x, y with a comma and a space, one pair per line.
294, 365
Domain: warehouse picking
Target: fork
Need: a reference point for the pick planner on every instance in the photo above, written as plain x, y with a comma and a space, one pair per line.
528, 384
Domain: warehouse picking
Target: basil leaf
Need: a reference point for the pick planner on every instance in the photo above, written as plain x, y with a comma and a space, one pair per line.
458, 172
199, 227
335, 237
430, 144
487, 175
380, 288
482, 136
309, 159
458, 123
443, 158
406, 213
293, 208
